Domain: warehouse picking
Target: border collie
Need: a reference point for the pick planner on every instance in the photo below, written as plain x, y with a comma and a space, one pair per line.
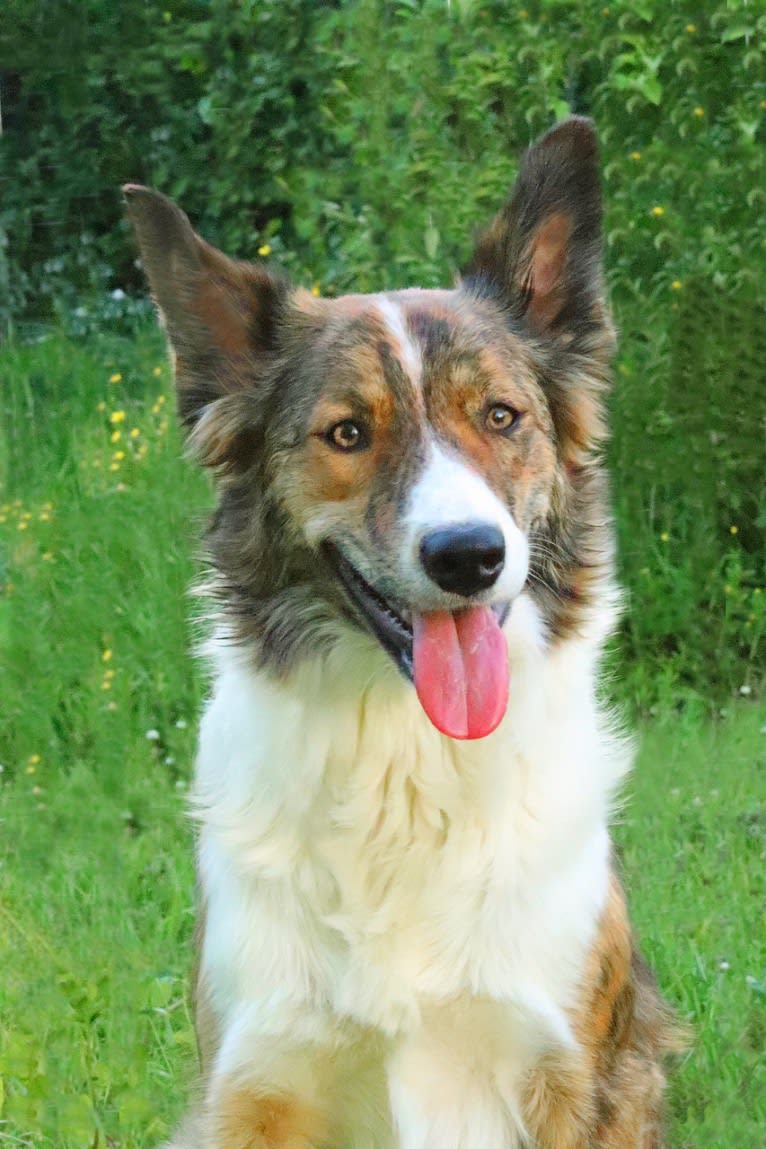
411, 931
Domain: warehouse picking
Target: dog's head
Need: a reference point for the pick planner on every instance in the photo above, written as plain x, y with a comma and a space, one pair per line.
409, 462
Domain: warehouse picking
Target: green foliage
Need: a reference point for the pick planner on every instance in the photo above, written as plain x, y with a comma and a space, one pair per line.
365, 139
362, 142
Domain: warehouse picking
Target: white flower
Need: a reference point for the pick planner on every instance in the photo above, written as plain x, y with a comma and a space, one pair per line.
152, 735
169, 760
745, 689
724, 965
181, 724
118, 293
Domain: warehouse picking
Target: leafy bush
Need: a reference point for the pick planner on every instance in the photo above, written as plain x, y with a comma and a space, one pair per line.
364, 139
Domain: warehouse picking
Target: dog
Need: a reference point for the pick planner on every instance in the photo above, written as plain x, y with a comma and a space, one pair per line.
412, 933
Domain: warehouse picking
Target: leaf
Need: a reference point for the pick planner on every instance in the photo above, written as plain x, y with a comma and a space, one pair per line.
651, 89
431, 240
76, 1119
736, 32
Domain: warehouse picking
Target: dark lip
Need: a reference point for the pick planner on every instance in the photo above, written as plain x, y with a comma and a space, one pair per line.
387, 622
392, 631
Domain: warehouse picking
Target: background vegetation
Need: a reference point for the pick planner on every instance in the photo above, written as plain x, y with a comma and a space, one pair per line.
357, 143
363, 142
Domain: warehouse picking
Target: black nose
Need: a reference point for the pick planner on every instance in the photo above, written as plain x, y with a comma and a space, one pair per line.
463, 559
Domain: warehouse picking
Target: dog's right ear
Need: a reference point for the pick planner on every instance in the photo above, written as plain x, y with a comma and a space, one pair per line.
220, 315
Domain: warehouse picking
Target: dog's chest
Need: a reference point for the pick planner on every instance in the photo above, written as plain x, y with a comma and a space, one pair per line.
396, 875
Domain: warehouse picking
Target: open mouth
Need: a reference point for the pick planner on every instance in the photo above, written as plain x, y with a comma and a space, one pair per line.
457, 660
391, 626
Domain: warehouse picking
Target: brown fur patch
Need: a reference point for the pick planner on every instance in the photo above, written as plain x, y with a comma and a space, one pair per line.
558, 1103
244, 1119
612, 1097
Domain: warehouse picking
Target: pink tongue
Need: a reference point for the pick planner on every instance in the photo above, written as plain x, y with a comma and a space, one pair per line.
461, 670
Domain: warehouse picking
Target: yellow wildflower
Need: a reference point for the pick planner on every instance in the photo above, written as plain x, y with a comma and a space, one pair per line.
109, 673
160, 399
101, 406
107, 655
134, 433
163, 426
116, 378
106, 684
315, 289
34, 759
115, 436
157, 372
635, 155
733, 529
118, 456
691, 29
156, 409
676, 285
658, 211
47, 556
117, 417
727, 589
23, 526
665, 537
114, 466
264, 249
45, 517
3, 518
699, 111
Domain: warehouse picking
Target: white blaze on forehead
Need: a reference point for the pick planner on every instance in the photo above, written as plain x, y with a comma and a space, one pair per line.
448, 492
409, 351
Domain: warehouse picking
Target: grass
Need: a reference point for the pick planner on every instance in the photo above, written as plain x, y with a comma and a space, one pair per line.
98, 698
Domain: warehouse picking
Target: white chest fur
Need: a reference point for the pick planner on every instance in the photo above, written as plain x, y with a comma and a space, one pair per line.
368, 880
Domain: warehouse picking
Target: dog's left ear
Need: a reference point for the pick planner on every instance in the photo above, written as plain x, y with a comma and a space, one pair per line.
542, 254
221, 315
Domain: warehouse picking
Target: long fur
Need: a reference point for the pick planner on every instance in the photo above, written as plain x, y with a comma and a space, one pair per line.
409, 941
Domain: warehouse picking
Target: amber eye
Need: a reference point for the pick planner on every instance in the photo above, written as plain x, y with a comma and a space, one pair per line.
347, 436
501, 417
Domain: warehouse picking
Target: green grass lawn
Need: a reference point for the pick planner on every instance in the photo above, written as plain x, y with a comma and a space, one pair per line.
98, 700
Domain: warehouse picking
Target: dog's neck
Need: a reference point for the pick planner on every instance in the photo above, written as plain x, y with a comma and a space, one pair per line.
345, 720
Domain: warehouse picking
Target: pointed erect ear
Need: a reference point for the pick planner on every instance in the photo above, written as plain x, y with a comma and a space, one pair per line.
220, 315
542, 254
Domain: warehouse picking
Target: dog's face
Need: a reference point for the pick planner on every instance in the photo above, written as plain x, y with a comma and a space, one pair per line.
408, 462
